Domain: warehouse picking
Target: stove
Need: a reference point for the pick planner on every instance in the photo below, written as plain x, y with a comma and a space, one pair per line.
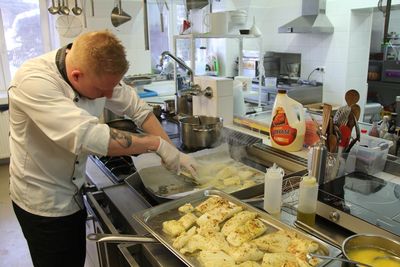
362, 203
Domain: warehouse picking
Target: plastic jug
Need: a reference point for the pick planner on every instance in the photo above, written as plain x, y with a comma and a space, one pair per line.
288, 124
273, 190
308, 194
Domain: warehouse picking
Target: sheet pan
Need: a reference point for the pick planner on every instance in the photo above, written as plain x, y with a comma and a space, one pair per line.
152, 220
163, 184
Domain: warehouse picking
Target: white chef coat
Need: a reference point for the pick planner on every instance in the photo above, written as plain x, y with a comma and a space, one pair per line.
52, 131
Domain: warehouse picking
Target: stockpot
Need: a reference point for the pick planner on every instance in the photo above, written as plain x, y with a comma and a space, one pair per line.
198, 132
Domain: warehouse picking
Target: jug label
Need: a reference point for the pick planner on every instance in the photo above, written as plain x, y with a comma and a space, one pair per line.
281, 132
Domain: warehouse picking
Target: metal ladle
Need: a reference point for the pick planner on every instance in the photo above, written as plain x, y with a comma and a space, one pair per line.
76, 10
118, 16
310, 255
64, 8
53, 9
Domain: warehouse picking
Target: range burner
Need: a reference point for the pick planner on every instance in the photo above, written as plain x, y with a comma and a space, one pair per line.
117, 168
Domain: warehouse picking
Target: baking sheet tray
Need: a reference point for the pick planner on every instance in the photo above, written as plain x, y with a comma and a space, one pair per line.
164, 184
152, 220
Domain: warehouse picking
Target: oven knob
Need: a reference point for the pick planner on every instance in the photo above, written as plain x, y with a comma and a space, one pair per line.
334, 216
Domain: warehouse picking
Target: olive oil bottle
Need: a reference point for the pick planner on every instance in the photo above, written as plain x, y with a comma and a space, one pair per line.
308, 193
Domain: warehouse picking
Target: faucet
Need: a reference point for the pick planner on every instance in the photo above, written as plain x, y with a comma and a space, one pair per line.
181, 63
195, 89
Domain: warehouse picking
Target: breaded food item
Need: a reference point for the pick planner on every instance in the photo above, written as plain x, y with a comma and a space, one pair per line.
279, 259
298, 245
183, 238
212, 242
186, 208
245, 174
249, 264
209, 228
248, 183
211, 203
246, 232
233, 180
218, 214
187, 220
215, 259
226, 172
237, 220
274, 242
173, 228
246, 252
196, 242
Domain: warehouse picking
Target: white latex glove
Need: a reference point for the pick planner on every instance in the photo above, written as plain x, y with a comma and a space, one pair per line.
189, 163
169, 155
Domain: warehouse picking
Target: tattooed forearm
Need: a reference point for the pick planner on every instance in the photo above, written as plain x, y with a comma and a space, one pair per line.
123, 138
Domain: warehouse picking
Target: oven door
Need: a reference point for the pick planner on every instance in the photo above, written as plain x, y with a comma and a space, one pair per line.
109, 254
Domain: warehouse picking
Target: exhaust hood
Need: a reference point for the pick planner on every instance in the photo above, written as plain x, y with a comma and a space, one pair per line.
312, 20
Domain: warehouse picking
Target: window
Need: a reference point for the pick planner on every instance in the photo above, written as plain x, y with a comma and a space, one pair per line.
21, 30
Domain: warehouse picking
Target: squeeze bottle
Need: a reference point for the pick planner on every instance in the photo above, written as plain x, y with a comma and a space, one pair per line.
308, 194
273, 190
288, 124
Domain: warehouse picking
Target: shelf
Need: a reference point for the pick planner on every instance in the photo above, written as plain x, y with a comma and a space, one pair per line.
207, 35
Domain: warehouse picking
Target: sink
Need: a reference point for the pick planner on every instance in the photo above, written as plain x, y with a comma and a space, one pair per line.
162, 88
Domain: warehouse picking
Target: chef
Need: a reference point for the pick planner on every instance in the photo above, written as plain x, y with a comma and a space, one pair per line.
55, 103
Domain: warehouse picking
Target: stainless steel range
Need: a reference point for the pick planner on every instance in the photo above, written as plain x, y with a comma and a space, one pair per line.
364, 203
117, 192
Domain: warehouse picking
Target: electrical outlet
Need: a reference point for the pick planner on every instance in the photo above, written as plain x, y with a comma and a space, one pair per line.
321, 68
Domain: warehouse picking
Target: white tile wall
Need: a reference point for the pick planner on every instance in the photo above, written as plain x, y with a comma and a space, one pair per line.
131, 33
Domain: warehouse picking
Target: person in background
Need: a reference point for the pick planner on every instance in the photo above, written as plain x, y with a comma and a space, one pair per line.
55, 102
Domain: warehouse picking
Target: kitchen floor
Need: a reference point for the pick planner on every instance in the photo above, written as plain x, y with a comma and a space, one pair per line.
13, 248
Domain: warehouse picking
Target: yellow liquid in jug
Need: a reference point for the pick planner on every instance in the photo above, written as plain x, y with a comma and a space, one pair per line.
307, 218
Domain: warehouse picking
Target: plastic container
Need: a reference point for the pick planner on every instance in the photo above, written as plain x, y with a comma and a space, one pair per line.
273, 190
308, 193
371, 153
288, 124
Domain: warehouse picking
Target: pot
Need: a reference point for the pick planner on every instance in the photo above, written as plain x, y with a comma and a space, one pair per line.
376, 243
197, 132
123, 125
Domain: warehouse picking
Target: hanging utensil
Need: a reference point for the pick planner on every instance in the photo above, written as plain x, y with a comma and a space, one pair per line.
160, 4
118, 16
77, 10
53, 9
146, 26
64, 8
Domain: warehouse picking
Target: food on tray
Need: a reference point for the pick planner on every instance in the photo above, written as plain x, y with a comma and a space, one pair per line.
237, 220
247, 252
211, 203
234, 180
248, 231
182, 240
187, 220
279, 259
173, 228
226, 172
218, 215
274, 242
249, 264
186, 208
220, 233
215, 259
246, 174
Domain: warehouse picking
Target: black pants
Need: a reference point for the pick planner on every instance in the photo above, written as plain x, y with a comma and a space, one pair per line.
54, 241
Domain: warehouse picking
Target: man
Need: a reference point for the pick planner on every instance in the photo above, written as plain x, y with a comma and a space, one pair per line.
55, 101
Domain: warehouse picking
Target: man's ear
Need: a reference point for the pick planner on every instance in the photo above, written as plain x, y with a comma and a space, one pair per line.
76, 74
